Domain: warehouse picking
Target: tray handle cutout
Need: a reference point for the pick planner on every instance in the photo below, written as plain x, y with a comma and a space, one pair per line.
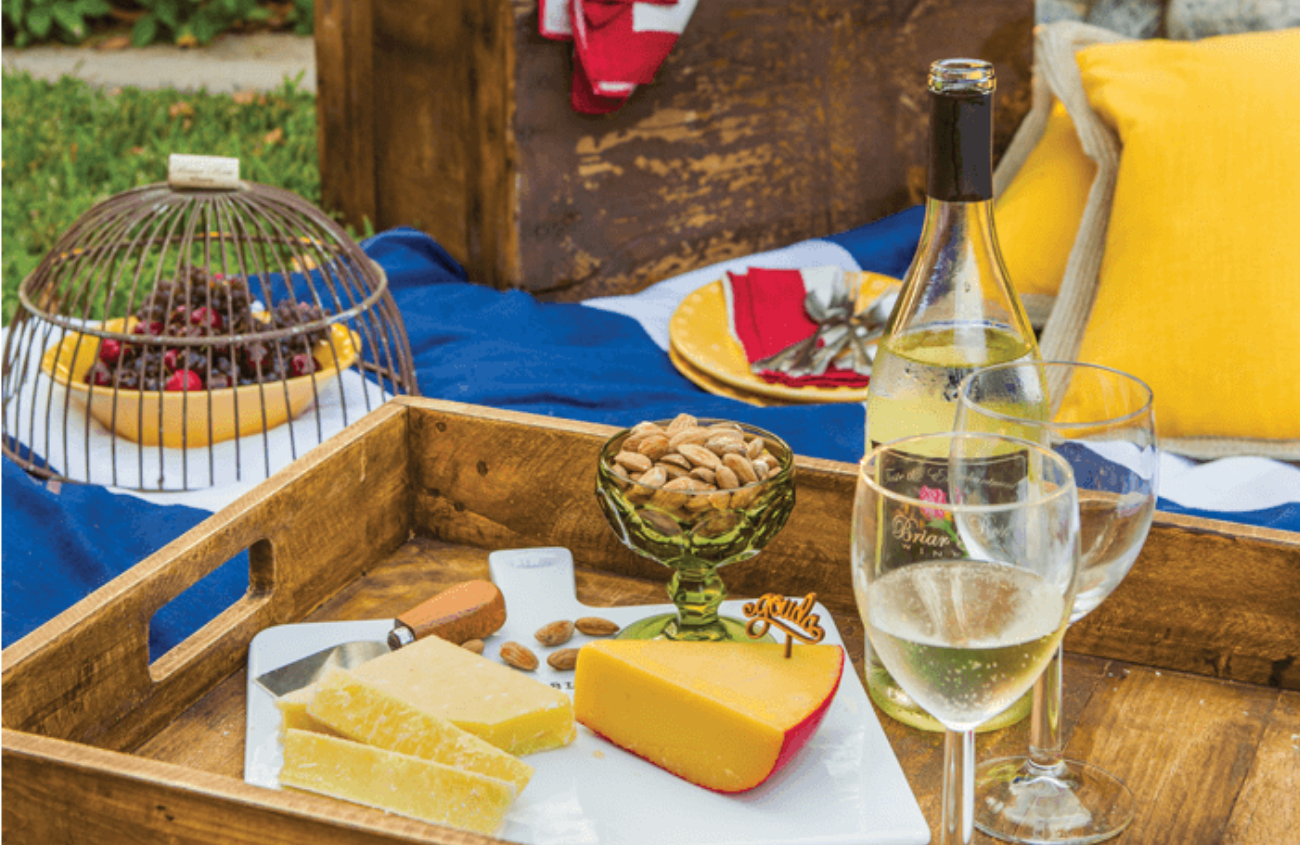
211, 606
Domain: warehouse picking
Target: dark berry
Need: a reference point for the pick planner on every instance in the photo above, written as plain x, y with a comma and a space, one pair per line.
217, 381
185, 380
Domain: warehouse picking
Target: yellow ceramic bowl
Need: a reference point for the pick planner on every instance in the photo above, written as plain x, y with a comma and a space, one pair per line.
194, 418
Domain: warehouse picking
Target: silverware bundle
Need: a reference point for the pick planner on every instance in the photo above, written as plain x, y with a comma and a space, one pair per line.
841, 338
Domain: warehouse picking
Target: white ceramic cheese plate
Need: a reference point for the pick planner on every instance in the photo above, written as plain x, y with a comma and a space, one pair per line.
844, 786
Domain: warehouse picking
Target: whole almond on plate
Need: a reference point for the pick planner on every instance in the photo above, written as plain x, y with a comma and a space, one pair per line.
563, 660
475, 646
595, 626
518, 656
556, 633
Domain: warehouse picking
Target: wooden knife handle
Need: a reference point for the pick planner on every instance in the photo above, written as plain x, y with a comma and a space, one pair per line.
467, 611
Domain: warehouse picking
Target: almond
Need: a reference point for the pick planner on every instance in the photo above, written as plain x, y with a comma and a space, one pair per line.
654, 447
633, 461
475, 646
725, 445
647, 428
518, 656
688, 435
674, 458
672, 471
699, 456
595, 626
653, 477
755, 448
563, 660
726, 478
704, 474
682, 421
742, 467
556, 633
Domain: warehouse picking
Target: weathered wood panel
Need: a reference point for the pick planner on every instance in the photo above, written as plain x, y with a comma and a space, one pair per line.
769, 123
1212, 598
85, 675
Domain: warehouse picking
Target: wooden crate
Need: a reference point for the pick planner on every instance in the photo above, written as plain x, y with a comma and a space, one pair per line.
769, 123
1184, 682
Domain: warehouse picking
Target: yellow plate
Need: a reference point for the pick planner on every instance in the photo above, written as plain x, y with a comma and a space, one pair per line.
710, 384
134, 414
702, 338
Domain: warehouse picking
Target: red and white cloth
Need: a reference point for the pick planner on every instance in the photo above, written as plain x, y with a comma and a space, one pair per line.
765, 309
618, 44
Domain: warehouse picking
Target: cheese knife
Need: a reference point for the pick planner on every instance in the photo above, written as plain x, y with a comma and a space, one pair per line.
467, 611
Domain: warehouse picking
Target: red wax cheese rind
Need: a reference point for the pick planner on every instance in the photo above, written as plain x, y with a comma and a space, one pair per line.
468, 611
725, 716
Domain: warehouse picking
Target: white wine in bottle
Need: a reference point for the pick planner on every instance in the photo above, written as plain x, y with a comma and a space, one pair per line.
957, 312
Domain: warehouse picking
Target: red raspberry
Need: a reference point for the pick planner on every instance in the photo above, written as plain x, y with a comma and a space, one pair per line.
110, 350
100, 376
302, 365
149, 328
184, 380
170, 357
207, 317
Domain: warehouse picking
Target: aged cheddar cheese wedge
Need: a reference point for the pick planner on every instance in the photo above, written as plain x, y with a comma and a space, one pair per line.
721, 715
395, 782
293, 712
361, 712
514, 712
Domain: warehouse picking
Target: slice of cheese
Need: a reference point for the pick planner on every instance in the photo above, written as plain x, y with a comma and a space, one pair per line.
294, 716
505, 707
395, 782
363, 713
721, 715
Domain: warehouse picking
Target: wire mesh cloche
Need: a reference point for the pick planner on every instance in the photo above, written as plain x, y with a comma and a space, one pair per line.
195, 333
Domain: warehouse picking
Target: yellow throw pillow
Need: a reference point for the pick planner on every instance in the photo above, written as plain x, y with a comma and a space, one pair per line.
1038, 214
1198, 291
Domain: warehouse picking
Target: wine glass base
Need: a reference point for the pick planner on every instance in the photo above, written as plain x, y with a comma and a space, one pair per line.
665, 627
1073, 804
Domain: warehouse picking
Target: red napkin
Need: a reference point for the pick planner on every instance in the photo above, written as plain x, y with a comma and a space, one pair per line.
767, 315
618, 44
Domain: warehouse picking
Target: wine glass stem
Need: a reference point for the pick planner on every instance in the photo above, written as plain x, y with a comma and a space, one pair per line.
697, 591
1045, 747
958, 788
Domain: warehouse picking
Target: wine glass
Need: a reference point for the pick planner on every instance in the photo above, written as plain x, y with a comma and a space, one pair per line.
964, 616
1103, 424
694, 532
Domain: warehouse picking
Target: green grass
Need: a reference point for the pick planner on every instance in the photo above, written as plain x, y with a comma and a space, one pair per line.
68, 145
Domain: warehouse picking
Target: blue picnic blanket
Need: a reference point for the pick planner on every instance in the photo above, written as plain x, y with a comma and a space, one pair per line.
471, 343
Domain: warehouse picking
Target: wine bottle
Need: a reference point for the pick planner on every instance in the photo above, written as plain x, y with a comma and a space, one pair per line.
957, 312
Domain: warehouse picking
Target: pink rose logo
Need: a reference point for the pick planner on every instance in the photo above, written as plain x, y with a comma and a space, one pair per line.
938, 497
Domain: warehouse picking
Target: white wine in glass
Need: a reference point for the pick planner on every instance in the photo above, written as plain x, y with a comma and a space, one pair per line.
965, 631
1103, 423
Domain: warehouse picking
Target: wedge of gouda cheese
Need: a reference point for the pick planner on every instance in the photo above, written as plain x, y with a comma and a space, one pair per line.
505, 707
395, 782
360, 712
725, 716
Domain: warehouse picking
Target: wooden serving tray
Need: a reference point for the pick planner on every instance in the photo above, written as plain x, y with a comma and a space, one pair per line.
1184, 683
